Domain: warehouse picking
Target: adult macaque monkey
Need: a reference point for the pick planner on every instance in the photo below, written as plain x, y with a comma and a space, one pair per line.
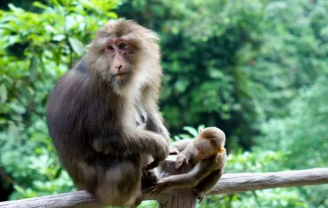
207, 155
103, 115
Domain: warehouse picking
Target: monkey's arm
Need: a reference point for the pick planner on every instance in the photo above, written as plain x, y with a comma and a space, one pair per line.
148, 142
155, 124
185, 156
142, 141
181, 144
154, 121
187, 180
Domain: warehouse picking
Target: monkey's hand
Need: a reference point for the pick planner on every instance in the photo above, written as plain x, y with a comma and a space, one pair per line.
200, 195
152, 165
159, 153
180, 160
158, 187
173, 151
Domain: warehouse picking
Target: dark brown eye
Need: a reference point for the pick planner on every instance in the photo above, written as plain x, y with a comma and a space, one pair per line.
110, 48
122, 46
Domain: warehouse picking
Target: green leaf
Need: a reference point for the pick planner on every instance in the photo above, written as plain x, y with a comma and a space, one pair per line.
191, 131
39, 5
77, 46
3, 93
19, 189
112, 15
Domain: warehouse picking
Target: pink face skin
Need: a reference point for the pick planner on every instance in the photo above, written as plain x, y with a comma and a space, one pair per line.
118, 51
204, 149
200, 155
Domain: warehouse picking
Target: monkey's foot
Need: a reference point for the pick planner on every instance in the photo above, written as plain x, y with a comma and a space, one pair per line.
180, 160
200, 195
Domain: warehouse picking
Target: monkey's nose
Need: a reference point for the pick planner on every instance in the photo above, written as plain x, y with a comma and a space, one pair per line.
119, 66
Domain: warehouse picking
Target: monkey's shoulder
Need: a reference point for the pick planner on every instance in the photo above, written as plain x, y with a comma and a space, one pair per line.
221, 159
217, 161
82, 67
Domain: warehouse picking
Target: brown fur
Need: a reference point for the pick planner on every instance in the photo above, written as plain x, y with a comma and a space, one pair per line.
92, 115
207, 170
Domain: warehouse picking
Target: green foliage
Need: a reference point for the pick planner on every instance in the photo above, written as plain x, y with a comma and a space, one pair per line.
257, 69
303, 133
305, 128
191, 133
35, 50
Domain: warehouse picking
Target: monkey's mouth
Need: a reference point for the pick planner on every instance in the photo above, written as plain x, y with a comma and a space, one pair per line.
122, 75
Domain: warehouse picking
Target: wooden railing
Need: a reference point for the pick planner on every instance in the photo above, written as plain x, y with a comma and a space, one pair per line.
184, 198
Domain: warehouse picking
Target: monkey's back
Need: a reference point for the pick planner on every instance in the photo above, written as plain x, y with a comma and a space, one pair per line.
77, 113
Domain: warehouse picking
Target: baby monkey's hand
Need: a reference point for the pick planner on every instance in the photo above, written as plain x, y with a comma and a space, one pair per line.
158, 187
180, 160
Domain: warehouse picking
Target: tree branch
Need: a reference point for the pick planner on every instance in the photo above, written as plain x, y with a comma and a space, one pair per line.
241, 182
228, 184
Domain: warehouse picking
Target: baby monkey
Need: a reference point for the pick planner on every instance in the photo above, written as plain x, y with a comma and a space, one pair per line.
207, 156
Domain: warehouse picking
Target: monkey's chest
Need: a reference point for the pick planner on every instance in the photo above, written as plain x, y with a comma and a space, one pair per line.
136, 117
141, 121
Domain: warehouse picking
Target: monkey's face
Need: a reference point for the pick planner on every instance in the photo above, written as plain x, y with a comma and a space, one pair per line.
123, 52
204, 149
119, 54
113, 58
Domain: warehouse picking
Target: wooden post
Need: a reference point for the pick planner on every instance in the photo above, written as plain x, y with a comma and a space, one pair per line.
176, 198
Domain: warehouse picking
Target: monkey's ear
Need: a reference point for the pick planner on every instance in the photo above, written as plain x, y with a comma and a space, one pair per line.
222, 150
152, 36
200, 130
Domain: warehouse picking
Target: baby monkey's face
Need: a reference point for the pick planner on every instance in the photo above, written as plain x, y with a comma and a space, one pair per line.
205, 149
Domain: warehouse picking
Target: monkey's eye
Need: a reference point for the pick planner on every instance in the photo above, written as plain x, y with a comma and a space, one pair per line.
110, 48
122, 46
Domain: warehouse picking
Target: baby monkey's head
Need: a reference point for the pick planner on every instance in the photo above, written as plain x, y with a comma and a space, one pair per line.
210, 142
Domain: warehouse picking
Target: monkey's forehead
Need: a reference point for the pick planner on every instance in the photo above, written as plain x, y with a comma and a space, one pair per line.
125, 29
213, 132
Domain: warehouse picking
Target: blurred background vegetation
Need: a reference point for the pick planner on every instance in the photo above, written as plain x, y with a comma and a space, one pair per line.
258, 69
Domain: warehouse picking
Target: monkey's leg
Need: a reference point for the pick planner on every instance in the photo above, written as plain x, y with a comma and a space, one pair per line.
119, 181
207, 184
187, 180
200, 195
175, 181
107, 144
